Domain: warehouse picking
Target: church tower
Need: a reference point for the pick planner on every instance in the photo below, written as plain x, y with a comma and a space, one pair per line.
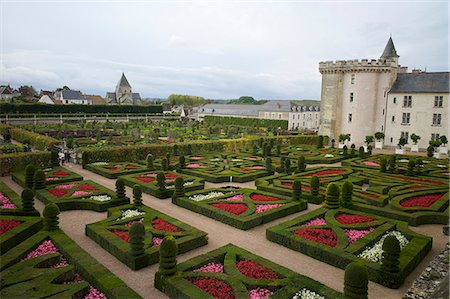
124, 95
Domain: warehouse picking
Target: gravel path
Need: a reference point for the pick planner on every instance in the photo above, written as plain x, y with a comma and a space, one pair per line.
73, 224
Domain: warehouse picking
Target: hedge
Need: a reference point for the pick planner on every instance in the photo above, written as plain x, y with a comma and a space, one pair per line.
43, 284
15, 199
249, 218
345, 252
28, 227
114, 170
12, 162
102, 233
19, 176
286, 286
26, 137
246, 122
11, 108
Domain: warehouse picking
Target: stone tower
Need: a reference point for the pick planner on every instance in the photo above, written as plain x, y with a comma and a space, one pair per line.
124, 95
354, 94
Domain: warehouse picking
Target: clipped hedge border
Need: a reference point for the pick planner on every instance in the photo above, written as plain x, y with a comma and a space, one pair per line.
190, 237
89, 268
19, 177
152, 189
440, 205
16, 200
107, 173
244, 222
28, 227
248, 122
177, 286
12, 162
66, 203
41, 142
340, 256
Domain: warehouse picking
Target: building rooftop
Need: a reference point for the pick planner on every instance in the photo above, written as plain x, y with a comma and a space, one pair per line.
422, 82
389, 50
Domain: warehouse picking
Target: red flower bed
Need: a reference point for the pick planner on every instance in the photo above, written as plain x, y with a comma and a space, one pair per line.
253, 270
323, 151
423, 181
319, 235
353, 219
58, 192
115, 168
145, 179
160, 224
234, 208
304, 188
60, 173
259, 197
171, 176
421, 201
214, 287
7, 225
327, 172
129, 166
121, 234
86, 187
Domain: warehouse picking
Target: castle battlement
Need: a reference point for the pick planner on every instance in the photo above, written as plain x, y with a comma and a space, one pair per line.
355, 65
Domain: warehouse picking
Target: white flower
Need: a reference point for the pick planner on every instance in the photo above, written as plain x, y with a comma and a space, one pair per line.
100, 163
130, 213
329, 156
185, 184
441, 166
201, 197
237, 160
375, 253
100, 198
403, 161
216, 160
307, 294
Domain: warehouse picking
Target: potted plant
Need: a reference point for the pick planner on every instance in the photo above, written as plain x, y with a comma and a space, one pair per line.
401, 143
368, 141
342, 139
443, 149
415, 138
379, 136
435, 144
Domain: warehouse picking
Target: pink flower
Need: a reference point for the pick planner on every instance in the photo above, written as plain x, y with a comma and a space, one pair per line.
370, 163
95, 294
196, 158
52, 179
195, 165
79, 193
5, 203
259, 293
355, 234
156, 241
45, 247
317, 221
257, 167
236, 197
211, 267
252, 159
263, 208
66, 186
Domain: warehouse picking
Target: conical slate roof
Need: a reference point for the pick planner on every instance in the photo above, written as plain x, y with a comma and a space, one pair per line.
123, 81
389, 50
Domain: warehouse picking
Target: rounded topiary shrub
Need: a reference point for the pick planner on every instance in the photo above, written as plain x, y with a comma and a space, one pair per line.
179, 188
383, 164
411, 167
392, 163
347, 194
161, 181
181, 162
136, 240
320, 142
149, 161
356, 280
164, 164
287, 165
345, 151
39, 179
361, 152
297, 190
315, 185
391, 255
29, 175
50, 213
175, 150
301, 164
137, 195
168, 251
27, 200
269, 166
120, 188
332, 196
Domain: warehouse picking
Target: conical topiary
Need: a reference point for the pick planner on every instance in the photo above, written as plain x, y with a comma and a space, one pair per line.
320, 142
269, 166
345, 151
50, 213
29, 175
383, 164
179, 188
352, 150
391, 255
268, 150
361, 152
315, 185
164, 164
189, 149
27, 200
419, 163
332, 196
392, 164
278, 149
347, 194
356, 281
137, 195
120, 188
150, 162
161, 181
287, 165
297, 190
39, 179
175, 150
301, 165
411, 167
168, 251
136, 240
181, 162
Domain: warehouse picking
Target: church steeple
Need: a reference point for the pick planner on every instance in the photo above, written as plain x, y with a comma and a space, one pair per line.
389, 51
123, 82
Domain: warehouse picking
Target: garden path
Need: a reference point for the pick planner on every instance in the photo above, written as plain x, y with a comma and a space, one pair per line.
254, 240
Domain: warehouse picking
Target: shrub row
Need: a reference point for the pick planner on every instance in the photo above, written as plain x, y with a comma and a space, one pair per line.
40, 141
11, 162
28, 227
247, 122
19, 176
108, 172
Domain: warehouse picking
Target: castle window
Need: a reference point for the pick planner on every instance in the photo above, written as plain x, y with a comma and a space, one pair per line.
438, 101
351, 97
392, 139
382, 127
383, 111
352, 80
437, 119
405, 118
407, 101
393, 118
350, 116
394, 100
405, 135
434, 136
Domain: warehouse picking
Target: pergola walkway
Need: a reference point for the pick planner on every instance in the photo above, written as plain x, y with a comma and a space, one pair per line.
73, 223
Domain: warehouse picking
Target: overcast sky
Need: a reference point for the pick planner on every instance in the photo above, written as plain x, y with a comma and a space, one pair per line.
268, 50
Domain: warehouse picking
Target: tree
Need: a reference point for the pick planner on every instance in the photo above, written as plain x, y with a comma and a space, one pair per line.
50, 213
356, 281
392, 163
29, 175
39, 179
287, 165
168, 251
137, 195
430, 151
320, 142
149, 160
181, 162
344, 137
347, 194
161, 181
179, 188
164, 164
402, 141
368, 140
136, 240
379, 136
297, 190
391, 255
383, 164
443, 140
269, 166
27, 200
315, 185
415, 138
301, 165
411, 167
120, 188
332, 196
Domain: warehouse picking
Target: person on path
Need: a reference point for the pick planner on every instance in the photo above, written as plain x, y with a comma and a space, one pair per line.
61, 158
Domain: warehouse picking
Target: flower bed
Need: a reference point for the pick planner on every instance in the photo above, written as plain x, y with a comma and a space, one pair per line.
112, 234
54, 175
433, 201
11, 203
241, 208
321, 235
14, 229
6, 225
113, 170
80, 195
232, 272
147, 182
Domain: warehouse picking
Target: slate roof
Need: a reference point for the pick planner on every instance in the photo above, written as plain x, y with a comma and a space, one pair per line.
437, 82
136, 96
231, 109
389, 50
72, 95
123, 81
5, 89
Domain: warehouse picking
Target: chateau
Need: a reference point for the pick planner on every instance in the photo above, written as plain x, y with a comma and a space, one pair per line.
363, 97
123, 94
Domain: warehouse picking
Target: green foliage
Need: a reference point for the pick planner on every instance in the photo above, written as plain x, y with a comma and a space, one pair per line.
369, 139
345, 151
161, 181
287, 165
187, 100
189, 149
269, 166
402, 141
379, 136
149, 161
39, 179
332, 196
54, 158
175, 150
18, 161
301, 164
181, 162
50, 213
164, 164
320, 142
315, 185
278, 149
69, 142
392, 163
361, 152
415, 138
27, 200
136, 241
347, 194
120, 188
246, 122
391, 255
352, 150
435, 143
42, 142
344, 137
419, 163
29, 175
430, 151
179, 188
411, 167
443, 139
383, 164
168, 251
356, 280
297, 190
137, 195
333, 141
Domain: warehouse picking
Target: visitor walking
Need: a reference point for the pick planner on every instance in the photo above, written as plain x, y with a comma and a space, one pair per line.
61, 158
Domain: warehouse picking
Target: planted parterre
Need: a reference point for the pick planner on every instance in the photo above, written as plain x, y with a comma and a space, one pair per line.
315, 155
53, 175
113, 170
80, 195
138, 248
13, 204
15, 229
339, 236
232, 272
161, 183
241, 208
